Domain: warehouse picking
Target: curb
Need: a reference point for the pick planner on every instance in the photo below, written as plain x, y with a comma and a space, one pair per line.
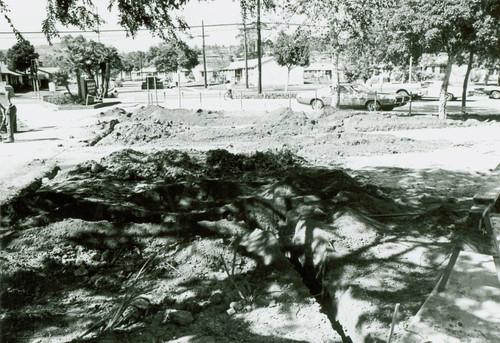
78, 107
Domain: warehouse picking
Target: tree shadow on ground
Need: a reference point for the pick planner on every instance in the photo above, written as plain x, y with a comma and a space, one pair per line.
125, 218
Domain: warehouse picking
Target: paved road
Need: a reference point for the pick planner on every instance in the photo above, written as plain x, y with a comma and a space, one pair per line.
193, 98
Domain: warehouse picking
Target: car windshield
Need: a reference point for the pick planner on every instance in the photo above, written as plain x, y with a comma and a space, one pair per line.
361, 88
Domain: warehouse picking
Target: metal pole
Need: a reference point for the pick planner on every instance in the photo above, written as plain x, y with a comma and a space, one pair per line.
246, 51
289, 100
147, 87
411, 62
204, 58
241, 100
375, 103
179, 86
259, 49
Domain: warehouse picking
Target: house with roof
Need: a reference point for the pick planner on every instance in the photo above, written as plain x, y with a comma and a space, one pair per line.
199, 74
11, 77
319, 72
272, 73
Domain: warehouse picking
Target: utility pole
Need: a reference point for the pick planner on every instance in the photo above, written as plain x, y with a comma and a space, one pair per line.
246, 51
204, 56
98, 26
259, 49
409, 73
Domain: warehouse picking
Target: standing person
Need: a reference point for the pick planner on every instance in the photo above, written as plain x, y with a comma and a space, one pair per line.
9, 112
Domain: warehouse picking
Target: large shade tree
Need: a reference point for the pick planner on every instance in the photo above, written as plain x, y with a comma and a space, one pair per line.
19, 57
342, 26
173, 55
448, 26
89, 59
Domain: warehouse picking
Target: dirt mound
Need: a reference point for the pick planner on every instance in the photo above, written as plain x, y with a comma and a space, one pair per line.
158, 113
101, 222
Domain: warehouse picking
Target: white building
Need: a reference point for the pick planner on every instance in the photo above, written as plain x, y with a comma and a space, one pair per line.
272, 73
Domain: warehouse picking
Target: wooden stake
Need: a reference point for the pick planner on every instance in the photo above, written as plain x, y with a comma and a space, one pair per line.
394, 317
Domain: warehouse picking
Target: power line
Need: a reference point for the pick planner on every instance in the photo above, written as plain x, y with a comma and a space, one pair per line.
190, 27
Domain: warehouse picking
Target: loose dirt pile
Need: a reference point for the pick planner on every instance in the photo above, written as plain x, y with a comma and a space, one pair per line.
318, 140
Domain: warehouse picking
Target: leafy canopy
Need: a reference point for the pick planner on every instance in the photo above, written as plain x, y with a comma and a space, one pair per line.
158, 16
173, 55
292, 50
20, 55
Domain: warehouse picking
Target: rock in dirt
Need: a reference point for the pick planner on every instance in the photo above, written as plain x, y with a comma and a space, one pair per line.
216, 298
96, 168
224, 227
236, 305
178, 316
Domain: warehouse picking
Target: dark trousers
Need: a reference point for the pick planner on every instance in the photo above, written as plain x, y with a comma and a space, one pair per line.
11, 119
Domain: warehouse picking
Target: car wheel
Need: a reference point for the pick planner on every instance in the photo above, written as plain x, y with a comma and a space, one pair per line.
317, 104
450, 97
370, 106
403, 93
495, 94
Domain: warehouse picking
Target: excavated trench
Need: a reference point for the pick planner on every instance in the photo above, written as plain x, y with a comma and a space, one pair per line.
222, 195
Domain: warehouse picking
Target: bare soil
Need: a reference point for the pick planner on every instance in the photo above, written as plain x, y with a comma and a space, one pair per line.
230, 227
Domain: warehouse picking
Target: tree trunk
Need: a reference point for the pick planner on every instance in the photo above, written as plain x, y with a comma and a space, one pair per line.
79, 84
466, 82
108, 75
337, 71
336, 82
69, 92
444, 87
287, 79
486, 76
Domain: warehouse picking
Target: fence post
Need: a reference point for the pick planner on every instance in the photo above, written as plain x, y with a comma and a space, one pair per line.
156, 93
289, 100
411, 98
265, 102
165, 98
375, 103
241, 101
220, 100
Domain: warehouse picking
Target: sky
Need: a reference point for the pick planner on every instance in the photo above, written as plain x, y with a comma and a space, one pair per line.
27, 16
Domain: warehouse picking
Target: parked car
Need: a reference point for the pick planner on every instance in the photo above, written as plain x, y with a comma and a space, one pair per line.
386, 85
432, 89
152, 82
492, 91
353, 96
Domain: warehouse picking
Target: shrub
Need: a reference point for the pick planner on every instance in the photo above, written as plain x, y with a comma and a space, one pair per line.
267, 95
63, 99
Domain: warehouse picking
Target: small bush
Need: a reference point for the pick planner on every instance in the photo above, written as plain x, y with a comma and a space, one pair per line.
267, 95
63, 99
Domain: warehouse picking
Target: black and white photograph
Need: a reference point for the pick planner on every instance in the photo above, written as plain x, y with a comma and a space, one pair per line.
261, 171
